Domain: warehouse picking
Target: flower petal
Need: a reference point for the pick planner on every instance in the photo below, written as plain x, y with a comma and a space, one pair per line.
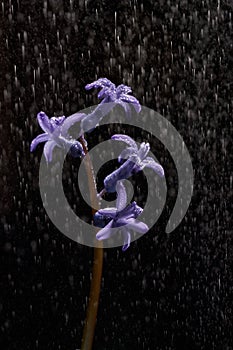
143, 150
125, 154
91, 120
40, 138
44, 122
131, 100
126, 139
48, 150
100, 220
137, 226
105, 232
126, 107
57, 121
101, 82
123, 89
121, 196
107, 92
151, 163
132, 211
111, 212
124, 172
127, 238
70, 121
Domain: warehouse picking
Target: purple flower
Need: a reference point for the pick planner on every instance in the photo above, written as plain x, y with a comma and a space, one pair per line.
122, 217
56, 134
140, 153
136, 160
109, 93
107, 87
124, 172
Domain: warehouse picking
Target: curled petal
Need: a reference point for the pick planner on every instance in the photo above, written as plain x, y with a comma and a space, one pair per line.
143, 151
131, 100
48, 150
125, 154
151, 163
126, 107
44, 122
123, 89
137, 107
101, 82
121, 196
40, 138
137, 226
70, 121
107, 92
124, 172
126, 139
127, 238
105, 232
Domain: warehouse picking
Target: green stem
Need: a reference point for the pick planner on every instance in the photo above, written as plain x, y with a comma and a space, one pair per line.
91, 315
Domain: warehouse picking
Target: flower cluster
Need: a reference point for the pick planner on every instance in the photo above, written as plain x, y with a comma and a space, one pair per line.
132, 159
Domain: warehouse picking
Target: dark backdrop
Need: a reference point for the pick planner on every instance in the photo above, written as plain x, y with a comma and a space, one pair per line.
167, 291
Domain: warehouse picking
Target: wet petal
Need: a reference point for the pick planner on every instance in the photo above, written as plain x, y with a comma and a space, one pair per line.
44, 122
127, 238
40, 138
105, 232
126, 107
131, 100
123, 89
121, 196
151, 163
70, 121
143, 150
124, 172
126, 153
137, 226
48, 150
107, 92
101, 82
137, 107
126, 139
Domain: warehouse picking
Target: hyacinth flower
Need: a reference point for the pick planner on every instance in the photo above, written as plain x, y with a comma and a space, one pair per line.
141, 153
56, 134
122, 217
109, 93
136, 160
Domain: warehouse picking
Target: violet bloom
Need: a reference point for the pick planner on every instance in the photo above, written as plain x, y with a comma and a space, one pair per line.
56, 134
122, 217
109, 93
136, 160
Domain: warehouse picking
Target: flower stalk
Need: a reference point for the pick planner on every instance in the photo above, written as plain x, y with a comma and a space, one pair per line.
93, 303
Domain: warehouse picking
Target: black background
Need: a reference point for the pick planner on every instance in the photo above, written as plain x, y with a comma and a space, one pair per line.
166, 291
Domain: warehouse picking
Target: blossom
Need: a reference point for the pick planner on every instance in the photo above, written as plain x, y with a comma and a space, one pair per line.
109, 93
123, 172
136, 160
56, 134
122, 217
